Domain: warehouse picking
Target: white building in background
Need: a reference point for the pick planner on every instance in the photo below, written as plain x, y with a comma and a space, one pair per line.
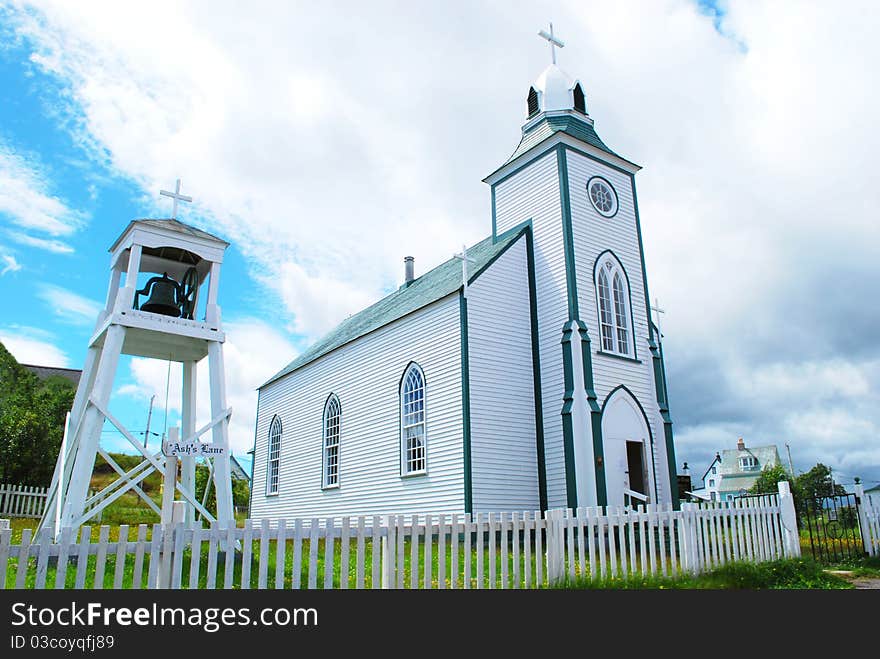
535, 381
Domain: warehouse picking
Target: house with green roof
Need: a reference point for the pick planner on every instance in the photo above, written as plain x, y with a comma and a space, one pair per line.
734, 471
524, 373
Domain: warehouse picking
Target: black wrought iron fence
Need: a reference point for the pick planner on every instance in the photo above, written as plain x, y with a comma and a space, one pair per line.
831, 525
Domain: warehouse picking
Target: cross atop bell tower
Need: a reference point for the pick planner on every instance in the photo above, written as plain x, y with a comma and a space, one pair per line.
157, 318
176, 196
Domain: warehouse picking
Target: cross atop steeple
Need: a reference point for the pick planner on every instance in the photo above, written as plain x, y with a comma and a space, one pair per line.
554, 41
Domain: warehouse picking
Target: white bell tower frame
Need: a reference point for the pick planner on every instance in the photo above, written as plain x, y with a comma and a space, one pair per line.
155, 246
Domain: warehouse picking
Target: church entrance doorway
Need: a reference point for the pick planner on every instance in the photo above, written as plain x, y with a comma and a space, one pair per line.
624, 437
635, 463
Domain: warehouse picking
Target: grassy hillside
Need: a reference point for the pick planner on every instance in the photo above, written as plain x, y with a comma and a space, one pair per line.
131, 509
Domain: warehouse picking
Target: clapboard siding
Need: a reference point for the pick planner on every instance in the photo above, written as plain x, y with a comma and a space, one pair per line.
593, 234
533, 193
504, 464
365, 375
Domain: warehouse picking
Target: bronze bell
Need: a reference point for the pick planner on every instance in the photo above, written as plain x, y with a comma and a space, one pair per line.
164, 293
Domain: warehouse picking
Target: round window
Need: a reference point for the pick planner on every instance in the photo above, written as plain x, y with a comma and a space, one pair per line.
602, 196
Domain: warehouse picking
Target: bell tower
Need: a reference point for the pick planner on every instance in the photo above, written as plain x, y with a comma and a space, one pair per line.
157, 321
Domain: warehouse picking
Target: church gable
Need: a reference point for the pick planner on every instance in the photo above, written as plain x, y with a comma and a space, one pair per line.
501, 384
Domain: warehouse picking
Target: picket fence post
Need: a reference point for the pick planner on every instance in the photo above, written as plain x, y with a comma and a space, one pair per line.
550, 544
555, 546
788, 517
864, 524
689, 518
386, 551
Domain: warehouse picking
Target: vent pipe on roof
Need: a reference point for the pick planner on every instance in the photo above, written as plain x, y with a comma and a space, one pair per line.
408, 266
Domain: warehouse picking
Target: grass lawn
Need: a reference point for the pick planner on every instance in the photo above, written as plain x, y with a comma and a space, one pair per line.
798, 573
320, 566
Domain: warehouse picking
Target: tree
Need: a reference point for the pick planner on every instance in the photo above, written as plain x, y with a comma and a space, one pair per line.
818, 483
240, 491
32, 413
768, 483
768, 480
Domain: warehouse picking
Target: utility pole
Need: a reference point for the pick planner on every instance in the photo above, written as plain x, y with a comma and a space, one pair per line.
790, 464
149, 416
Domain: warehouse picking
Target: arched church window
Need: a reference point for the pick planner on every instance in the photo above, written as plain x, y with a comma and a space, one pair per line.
580, 103
532, 102
612, 295
412, 422
606, 320
620, 315
332, 418
274, 464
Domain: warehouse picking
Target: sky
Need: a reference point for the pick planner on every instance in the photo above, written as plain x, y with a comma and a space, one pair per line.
326, 141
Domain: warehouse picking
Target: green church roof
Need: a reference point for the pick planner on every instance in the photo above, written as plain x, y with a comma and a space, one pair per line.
567, 124
430, 287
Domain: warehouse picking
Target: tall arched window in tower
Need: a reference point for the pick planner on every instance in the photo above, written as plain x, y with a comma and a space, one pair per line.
274, 464
612, 295
332, 418
620, 313
606, 319
413, 449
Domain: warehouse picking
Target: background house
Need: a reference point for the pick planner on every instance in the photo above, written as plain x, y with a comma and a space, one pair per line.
734, 471
43, 372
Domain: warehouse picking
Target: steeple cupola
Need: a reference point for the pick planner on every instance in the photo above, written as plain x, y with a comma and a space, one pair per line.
556, 109
554, 91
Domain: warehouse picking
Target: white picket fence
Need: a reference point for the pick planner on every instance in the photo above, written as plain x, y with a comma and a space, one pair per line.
22, 501
504, 550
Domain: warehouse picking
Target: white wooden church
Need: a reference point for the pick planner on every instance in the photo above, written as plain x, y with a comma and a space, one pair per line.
536, 381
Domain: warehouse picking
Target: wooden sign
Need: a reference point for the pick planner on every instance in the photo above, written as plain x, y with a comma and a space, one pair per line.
191, 449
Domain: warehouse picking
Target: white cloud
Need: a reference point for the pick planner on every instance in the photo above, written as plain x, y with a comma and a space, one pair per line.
69, 307
253, 352
47, 244
27, 203
11, 264
33, 346
317, 303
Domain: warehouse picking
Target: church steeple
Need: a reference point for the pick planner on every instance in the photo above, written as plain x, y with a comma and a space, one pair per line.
556, 107
554, 90
599, 412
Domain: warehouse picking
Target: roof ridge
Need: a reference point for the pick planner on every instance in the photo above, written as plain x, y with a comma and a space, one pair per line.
437, 283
